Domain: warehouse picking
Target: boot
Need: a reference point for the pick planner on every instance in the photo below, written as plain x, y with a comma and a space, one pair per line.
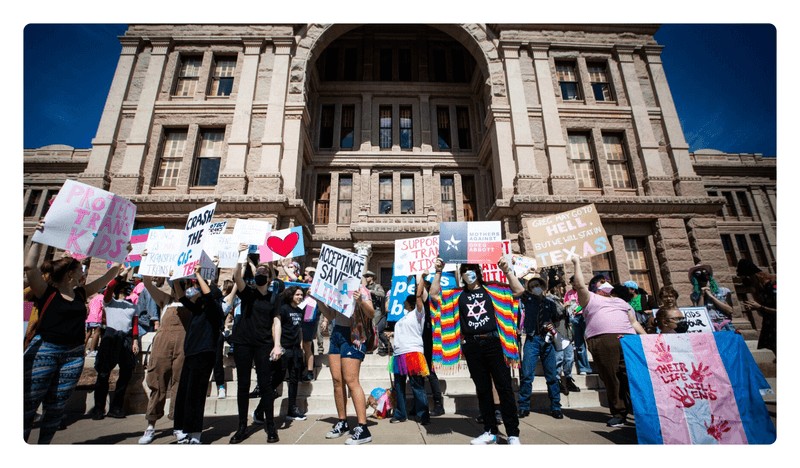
272, 433
438, 407
240, 434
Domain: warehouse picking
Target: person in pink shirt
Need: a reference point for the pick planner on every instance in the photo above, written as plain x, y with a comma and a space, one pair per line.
607, 319
94, 324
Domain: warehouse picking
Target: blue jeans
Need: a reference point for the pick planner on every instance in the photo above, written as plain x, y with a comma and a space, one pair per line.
534, 350
564, 361
420, 398
579, 340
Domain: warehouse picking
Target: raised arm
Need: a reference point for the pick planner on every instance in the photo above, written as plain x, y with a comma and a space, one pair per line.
436, 286
513, 281
96, 285
580, 284
204, 288
158, 295
238, 271
421, 291
35, 279
635, 323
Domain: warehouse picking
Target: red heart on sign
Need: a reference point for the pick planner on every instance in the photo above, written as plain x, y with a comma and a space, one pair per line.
283, 247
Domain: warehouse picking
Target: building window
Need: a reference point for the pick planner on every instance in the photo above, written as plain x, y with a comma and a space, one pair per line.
322, 208
443, 127
171, 158
406, 128
407, 195
347, 132
730, 206
385, 64
727, 247
385, 194
326, 127
448, 189
744, 204
744, 249
568, 81
758, 249
639, 267
468, 197
188, 76
404, 64
464, 135
222, 79
617, 161
209, 155
598, 77
33, 203
601, 265
345, 199
385, 126
582, 162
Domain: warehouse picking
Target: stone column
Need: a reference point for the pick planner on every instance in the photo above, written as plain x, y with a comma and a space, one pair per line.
688, 183
562, 179
502, 151
426, 142
674, 255
128, 179
292, 160
232, 176
365, 249
267, 180
103, 144
366, 122
656, 182
528, 179
766, 218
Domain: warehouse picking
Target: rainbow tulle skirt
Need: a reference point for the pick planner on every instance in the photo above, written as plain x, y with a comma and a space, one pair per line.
409, 364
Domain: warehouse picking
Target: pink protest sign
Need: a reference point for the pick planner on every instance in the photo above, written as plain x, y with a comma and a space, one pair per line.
492, 272
88, 221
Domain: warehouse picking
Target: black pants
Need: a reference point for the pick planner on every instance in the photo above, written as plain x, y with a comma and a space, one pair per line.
487, 364
190, 402
380, 327
245, 356
114, 349
433, 379
288, 368
219, 368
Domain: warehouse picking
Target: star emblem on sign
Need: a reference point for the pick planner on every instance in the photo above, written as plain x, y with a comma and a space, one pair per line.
452, 243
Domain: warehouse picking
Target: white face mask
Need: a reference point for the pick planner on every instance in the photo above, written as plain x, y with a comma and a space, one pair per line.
192, 292
470, 276
537, 291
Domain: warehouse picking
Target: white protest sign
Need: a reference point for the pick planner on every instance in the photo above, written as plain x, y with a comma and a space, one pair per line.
334, 283
697, 318
556, 238
89, 222
216, 228
191, 250
251, 231
521, 264
163, 247
223, 246
418, 254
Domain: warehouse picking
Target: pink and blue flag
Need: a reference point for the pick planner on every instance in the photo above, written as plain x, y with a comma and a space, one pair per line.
696, 388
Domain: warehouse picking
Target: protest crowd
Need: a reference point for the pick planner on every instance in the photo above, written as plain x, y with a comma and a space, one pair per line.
267, 310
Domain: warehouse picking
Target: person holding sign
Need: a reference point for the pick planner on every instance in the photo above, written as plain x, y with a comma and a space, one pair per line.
345, 354
716, 299
54, 358
479, 319
608, 319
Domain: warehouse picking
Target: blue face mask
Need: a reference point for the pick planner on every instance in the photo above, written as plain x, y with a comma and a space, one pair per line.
192, 292
537, 291
470, 276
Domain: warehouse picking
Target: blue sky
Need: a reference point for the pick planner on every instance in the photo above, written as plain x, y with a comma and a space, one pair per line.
722, 77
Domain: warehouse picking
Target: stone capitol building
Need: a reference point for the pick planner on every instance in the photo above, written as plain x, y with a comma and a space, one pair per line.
364, 134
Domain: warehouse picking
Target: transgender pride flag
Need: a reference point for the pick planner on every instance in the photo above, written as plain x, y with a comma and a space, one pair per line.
696, 388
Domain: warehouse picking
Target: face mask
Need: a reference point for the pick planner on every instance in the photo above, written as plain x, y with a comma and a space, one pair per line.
192, 292
261, 280
537, 291
470, 276
682, 327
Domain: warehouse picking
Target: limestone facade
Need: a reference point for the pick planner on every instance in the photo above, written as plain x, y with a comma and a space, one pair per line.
370, 133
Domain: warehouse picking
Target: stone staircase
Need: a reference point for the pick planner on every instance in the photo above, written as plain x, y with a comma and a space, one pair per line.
316, 397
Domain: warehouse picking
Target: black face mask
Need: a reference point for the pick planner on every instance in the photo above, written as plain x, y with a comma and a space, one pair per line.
702, 278
682, 327
261, 280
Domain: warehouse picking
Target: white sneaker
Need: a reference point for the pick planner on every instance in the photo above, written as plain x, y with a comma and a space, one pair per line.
484, 439
221, 392
180, 435
147, 437
512, 440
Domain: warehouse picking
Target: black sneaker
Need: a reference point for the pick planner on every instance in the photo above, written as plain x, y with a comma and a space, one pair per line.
117, 413
240, 435
396, 420
296, 414
438, 410
272, 434
562, 388
360, 436
256, 393
339, 429
571, 385
616, 421
97, 414
523, 413
557, 414
308, 376
425, 420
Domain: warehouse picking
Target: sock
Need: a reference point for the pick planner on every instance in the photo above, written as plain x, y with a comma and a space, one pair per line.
151, 427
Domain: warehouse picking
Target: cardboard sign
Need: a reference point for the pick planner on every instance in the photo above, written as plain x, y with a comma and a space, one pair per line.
217, 228
138, 243
492, 272
697, 318
415, 255
521, 264
251, 231
338, 277
558, 237
472, 242
286, 243
163, 247
194, 234
223, 246
88, 221
402, 287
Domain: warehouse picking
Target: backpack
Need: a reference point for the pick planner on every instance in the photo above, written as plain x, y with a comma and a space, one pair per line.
365, 328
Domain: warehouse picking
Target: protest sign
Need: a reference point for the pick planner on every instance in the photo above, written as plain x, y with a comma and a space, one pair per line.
286, 243
251, 231
696, 317
88, 221
521, 264
138, 243
309, 308
403, 287
223, 246
696, 388
191, 249
472, 242
337, 278
416, 255
216, 228
556, 238
490, 271
163, 247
